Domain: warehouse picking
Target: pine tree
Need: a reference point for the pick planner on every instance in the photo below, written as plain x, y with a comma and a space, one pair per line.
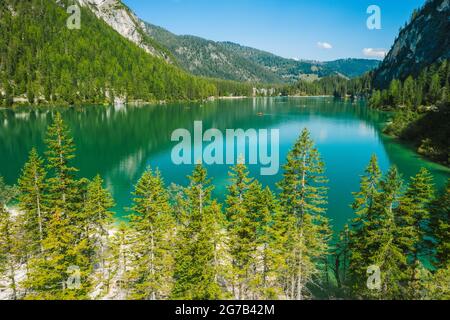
364, 207
241, 230
33, 200
97, 217
435, 286
60, 151
341, 257
440, 228
385, 241
217, 227
413, 215
9, 244
115, 278
270, 240
154, 228
303, 197
195, 274
408, 92
63, 271
395, 93
377, 237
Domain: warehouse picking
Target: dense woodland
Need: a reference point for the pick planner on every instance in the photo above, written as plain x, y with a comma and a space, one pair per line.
421, 105
180, 243
336, 86
44, 62
422, 108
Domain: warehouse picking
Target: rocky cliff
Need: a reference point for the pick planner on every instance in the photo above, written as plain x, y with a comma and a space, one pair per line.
125, 22
425, 40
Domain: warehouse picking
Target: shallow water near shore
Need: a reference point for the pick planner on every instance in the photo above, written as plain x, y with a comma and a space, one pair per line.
119, 142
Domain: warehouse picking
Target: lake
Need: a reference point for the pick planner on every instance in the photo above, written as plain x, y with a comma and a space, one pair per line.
119, 142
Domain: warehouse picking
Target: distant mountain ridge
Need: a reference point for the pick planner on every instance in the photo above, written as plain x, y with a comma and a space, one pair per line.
291, 70
222, 60
208, 58
423, 42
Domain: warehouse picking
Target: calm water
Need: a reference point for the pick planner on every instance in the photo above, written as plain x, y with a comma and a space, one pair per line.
120, 142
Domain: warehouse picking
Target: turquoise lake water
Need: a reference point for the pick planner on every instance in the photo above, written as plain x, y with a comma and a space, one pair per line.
120, 142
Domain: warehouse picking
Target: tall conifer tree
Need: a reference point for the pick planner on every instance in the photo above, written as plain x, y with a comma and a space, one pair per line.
440, 228
9, 240
413, 217
364, 207
97, 218
60, 152
195, 275
33, 200
303, 196
154, 228
63, 271
241, 230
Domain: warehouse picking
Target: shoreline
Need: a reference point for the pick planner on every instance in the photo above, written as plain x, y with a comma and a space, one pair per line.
141, 102
320, 96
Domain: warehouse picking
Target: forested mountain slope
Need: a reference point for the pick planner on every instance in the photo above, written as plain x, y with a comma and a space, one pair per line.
292, 70
208, 58
414, 81
232, 61
424, 41
125, 22
43, 61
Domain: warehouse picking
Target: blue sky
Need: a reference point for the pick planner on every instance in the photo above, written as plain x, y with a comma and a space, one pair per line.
305, 29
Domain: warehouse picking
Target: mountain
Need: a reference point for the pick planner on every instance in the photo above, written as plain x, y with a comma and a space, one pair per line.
293, 70
125, 22
414, 81
424, 41
222, 60
210, 59
43, 61
227, 60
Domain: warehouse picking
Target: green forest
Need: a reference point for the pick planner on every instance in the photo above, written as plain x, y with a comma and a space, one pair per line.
422, 108
336, 86
44, 62
59, 238
420, 105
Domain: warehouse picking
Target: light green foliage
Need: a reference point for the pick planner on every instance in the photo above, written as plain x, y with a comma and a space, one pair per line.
97, 218
60, 152
195, 272
303, 198
48, 63
33, 201
9, 240
53, 275
440, 228
394, 230
154, 229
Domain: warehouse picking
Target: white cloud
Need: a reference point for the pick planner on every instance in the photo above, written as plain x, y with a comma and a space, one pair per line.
375, 53
324, 45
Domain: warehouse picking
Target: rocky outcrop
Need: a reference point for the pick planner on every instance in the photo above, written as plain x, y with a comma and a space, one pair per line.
424, 41
125, 22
